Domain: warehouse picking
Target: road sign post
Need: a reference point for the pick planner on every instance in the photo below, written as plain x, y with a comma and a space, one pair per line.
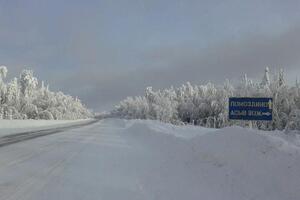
250, 108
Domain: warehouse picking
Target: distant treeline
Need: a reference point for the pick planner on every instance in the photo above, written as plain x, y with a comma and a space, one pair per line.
27, 98
207, 105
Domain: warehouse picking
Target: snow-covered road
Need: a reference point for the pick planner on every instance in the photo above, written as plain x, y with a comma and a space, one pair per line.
128, 160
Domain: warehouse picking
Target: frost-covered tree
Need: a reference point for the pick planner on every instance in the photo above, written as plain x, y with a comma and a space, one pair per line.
1, 113
3, 73
13, 93
28, 83
281, 81
266, 78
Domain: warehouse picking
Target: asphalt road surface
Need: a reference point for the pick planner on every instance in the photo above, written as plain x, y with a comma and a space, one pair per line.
94, 161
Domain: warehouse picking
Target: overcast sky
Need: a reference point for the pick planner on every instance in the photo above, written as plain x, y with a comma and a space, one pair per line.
105, 50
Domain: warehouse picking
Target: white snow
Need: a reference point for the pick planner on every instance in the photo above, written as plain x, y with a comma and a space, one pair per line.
136, 159
16, 126
231, 163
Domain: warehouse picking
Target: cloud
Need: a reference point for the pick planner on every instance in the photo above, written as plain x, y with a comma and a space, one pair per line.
176, 65
230, 59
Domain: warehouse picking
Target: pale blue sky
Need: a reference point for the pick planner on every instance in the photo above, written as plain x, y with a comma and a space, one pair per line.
103, 51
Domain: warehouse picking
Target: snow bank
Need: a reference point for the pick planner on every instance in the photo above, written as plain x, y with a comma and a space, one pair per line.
17, 126
184, 132
232, 163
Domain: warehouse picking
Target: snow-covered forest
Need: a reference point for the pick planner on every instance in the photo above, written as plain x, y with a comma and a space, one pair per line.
207, 105
27, 98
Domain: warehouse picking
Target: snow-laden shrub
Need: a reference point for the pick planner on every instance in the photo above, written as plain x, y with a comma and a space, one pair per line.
294, 120
136, 107
207, 105
46, 115
30, 110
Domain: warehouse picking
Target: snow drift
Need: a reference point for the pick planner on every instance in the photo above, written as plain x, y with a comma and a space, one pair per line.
233, 163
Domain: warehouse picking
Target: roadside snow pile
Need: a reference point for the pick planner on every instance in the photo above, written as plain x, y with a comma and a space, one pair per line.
185, 132
18, 126
232, 163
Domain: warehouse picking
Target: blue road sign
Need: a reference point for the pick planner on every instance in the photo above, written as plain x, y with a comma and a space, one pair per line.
247, 108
